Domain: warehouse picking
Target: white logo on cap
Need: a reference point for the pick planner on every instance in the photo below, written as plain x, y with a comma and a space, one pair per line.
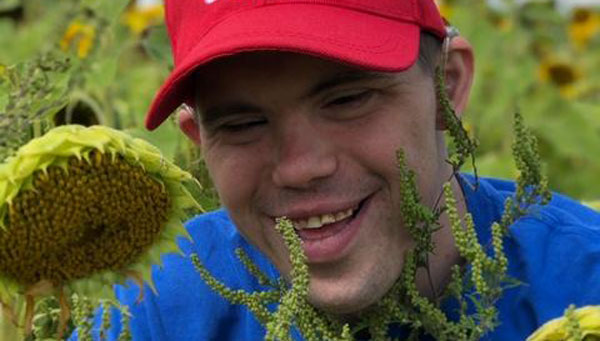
208, 2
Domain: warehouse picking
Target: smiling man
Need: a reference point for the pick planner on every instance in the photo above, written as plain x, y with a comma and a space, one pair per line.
299, 108
313, 140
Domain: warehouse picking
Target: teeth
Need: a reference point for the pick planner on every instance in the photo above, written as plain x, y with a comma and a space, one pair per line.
343, 215
315, 222
300, 224
327, 219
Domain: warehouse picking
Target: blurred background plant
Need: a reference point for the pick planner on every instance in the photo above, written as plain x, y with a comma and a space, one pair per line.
540, 58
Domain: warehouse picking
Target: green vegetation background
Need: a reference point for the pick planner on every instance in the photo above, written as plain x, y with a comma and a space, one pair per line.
528, 58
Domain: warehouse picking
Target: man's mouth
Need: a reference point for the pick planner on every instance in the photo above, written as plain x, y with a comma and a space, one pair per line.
326, 236
318, 221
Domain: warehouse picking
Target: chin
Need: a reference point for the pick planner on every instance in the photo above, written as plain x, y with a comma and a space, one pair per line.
340, 307
344, 301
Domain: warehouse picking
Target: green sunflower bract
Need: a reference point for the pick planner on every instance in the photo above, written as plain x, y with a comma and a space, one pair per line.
84, 208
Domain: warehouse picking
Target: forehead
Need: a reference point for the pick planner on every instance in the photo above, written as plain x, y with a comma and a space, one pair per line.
265, 65
275, 72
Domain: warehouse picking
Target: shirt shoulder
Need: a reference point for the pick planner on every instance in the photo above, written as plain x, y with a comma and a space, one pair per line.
554, 251
559, 249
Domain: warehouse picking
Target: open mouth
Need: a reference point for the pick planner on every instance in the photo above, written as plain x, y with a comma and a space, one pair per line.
329, 237
323, 226
319, 221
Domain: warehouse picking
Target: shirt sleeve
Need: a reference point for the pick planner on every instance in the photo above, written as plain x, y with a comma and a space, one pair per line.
183, 306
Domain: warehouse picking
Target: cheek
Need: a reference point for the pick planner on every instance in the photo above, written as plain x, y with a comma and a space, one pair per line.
380, 141
233, 175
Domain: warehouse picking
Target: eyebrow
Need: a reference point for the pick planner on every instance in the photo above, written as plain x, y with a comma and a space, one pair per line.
346, 77
212, 114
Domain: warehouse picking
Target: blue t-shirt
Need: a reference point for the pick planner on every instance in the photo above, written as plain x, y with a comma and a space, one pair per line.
554, 252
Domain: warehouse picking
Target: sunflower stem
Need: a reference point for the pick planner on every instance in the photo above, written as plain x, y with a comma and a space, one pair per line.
29, 311
65, 313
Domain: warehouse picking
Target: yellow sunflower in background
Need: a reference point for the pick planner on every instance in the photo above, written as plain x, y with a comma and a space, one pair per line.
562, 74
500, 20
82, 209
584, 25
577, 325
81, 36
445, 7
593, 204
139, 18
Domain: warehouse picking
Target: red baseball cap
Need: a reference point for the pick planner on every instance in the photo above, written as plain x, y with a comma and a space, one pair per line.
381, 35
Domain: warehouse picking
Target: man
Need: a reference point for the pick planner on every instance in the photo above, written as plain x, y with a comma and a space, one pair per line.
299, 108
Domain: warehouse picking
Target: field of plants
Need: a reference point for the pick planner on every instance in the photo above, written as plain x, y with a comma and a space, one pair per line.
99, 62
543, 63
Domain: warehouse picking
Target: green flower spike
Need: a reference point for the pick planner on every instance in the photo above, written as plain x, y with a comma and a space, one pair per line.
82, 209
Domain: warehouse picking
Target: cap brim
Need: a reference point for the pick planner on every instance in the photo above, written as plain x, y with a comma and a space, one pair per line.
365, 41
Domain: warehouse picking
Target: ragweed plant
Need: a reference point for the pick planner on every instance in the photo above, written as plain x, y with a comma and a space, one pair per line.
29, 92
476, 286
80, 210
463, 145
293, 308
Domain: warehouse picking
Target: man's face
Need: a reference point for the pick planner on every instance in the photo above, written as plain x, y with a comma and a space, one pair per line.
291, 135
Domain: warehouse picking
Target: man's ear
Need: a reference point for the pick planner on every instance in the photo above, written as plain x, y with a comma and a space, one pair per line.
188, 124
459, 74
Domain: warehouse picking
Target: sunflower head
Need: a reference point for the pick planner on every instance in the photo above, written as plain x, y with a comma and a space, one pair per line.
445, 7
561, 74
577, 324
79, 35
500, 20
593, 204
84, 208
584, 25
140, 18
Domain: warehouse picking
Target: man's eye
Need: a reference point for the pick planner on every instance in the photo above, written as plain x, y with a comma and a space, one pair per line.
351, 99
235, 127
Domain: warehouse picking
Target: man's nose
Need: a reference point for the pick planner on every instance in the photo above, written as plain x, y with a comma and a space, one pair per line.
304, 154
